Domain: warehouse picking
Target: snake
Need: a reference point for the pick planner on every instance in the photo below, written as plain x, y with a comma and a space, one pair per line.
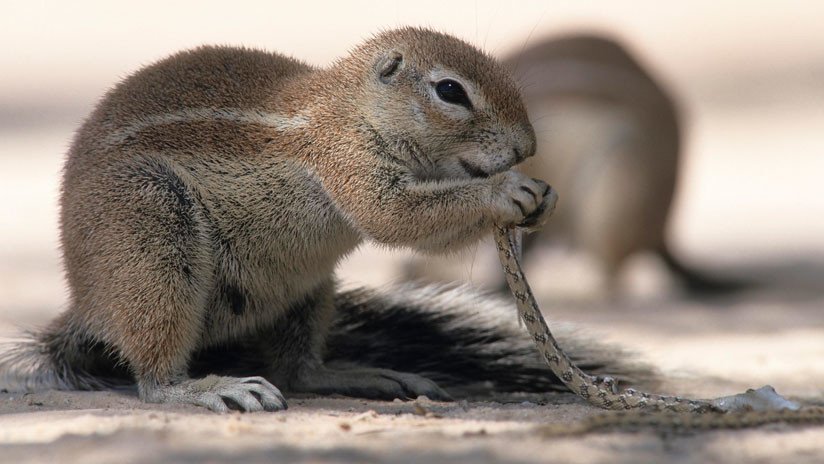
639, 408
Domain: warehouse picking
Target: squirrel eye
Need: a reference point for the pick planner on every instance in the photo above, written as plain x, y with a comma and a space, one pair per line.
452, 92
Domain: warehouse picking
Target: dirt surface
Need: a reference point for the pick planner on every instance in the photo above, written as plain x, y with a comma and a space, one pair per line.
107, 428
704, 348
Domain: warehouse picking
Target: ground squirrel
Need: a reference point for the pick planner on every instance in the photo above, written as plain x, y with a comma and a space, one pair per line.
610, 142
208, 198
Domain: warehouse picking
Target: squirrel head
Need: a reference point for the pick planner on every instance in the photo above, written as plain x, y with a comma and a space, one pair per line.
442, 106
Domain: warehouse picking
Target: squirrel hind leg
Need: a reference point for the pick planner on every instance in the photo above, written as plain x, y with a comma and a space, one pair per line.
364, 382
292, 349
149, 286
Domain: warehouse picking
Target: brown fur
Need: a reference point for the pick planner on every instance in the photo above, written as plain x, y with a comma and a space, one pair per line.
209, 197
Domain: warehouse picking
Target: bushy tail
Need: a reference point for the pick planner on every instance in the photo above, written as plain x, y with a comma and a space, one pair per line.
466, 341
56, 358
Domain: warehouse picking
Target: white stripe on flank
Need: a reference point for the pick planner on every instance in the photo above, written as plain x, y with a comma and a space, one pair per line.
273, 120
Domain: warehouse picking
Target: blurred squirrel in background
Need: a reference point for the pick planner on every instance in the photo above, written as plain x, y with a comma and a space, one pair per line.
609, 140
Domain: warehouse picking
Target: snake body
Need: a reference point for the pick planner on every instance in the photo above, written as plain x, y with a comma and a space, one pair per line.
639, 409
599, 392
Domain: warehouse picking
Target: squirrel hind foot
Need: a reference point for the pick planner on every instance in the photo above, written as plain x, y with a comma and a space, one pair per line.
219, 394
370, 383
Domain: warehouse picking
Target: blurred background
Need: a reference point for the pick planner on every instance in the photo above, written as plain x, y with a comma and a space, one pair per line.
749, 80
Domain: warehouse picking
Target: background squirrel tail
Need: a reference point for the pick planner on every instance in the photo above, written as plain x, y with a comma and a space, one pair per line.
700, 283
468, 342
55, 358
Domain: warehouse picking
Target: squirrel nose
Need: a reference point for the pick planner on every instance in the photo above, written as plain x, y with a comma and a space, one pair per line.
525, 146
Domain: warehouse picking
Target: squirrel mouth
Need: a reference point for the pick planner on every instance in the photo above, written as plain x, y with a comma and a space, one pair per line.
473, 170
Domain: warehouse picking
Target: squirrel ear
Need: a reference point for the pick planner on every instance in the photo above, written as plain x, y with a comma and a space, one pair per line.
389, 65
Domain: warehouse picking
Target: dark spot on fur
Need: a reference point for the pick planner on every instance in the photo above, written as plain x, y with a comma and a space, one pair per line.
236, 299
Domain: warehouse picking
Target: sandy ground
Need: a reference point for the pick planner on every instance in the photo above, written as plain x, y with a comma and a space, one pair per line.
704, 348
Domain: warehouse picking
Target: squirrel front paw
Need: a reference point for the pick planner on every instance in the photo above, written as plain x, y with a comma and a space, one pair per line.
524, 201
